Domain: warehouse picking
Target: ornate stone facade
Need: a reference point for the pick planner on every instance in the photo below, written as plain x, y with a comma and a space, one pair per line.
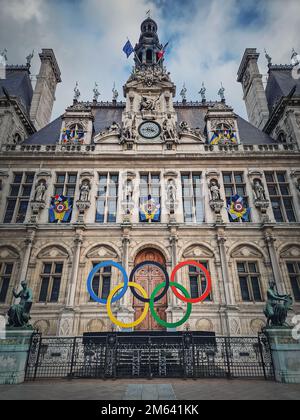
146, 142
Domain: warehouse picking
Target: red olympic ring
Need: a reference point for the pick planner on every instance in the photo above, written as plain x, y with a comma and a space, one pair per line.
208, 282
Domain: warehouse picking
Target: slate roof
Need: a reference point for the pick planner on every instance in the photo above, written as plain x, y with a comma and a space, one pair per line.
105, 115
280, 83
18, 84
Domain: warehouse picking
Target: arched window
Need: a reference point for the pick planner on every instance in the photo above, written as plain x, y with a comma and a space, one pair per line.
149, 56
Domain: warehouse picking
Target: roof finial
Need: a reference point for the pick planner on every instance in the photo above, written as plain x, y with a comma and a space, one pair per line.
148, 14
269, 58
76, 92
29, 58
202, 92
183, 93
221, 93
295, 58
115, 93
96, 92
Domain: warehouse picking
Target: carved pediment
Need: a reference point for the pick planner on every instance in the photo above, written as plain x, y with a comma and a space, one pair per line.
246, 252
292, 252
197, 251
102, 252
53, 252
107, 136
8, 254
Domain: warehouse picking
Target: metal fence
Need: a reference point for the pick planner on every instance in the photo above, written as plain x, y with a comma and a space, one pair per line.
121, 355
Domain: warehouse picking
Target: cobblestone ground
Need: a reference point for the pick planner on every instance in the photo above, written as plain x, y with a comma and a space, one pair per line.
212, 389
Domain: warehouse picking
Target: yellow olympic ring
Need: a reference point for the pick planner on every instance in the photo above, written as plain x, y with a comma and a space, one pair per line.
114, 319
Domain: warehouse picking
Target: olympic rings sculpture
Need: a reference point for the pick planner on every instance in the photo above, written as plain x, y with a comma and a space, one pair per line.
119, 291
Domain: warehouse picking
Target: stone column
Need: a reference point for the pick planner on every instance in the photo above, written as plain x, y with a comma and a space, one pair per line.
225, 273
29, 243
75, 268
125, 301
274, 261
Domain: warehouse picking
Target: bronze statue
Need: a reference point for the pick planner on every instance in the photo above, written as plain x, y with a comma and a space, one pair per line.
277, 307
19, 314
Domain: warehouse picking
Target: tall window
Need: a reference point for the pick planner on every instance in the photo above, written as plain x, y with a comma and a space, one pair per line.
102, 282
150, 187
6, 270
50, 282
65, 184
198, 281
19, 196
249, 277
294, 273
193, 203
280, 196
107, 200
234, 184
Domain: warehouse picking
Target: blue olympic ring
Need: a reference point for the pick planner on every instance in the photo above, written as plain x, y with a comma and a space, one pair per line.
91, 277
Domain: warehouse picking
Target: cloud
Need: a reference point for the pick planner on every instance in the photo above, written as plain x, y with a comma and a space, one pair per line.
207, 40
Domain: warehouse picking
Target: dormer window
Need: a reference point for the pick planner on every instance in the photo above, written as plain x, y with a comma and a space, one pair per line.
282, 137
223, 134
73, 134
149, 56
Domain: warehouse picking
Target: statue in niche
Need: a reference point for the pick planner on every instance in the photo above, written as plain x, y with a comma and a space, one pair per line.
129, 128
169, 129
40, 190
84, 191
214, 188
19, 314
259, 190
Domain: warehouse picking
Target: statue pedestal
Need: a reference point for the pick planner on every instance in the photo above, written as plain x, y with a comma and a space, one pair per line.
286, 355
14, 349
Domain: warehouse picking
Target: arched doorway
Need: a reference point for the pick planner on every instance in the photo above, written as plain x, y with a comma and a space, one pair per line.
148, 277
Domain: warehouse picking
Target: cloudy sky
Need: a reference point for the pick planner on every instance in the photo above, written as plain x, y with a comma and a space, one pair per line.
207, 40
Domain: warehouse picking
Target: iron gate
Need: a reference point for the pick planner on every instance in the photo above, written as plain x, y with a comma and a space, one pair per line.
120, 355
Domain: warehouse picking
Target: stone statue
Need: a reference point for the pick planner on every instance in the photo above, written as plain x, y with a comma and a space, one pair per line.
169, 129
183, 93
96, 93
215, 190
258, 190
40, 190
221, 93
76, 92
202, 93
29, 58
115, 93
19, 314
149, 104
268, 57
277, 307
129, 128
3, 57
184, 126
114, 128
84, 191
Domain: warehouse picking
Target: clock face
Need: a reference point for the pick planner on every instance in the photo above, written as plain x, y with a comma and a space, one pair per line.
149, 130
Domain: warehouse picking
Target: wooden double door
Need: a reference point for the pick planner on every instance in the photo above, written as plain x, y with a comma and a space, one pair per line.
149, 277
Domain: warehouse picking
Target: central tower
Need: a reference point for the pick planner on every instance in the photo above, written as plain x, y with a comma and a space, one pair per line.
147, 51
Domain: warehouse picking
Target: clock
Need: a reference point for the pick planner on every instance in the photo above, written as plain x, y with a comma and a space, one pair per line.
149, 130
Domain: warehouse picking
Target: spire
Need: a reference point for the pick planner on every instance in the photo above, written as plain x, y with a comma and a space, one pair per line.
148, 48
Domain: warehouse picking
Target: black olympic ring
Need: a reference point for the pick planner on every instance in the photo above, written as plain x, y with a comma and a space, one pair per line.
165, 290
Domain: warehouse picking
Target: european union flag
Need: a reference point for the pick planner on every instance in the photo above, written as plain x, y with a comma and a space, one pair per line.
128, 48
